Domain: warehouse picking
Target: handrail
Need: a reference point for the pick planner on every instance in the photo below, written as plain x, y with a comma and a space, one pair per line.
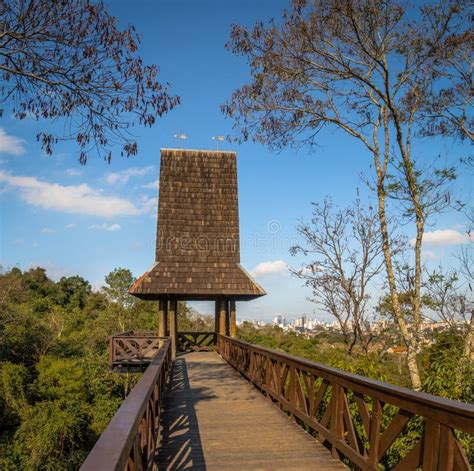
327, 400
197, 332
131, 438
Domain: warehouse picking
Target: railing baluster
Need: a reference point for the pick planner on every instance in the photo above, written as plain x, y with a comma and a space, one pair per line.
374, 431
337, 417
431, 446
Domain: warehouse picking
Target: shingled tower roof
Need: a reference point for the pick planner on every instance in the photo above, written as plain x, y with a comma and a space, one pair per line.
197, 251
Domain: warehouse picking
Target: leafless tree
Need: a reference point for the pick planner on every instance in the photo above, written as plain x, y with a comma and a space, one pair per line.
344, 248
446, 298
466, 270
382, 73
452, 302
68, 60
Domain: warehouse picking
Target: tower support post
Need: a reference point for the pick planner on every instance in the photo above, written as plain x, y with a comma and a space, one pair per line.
216, 316
232, 318
221, 311
173, 325
163, 317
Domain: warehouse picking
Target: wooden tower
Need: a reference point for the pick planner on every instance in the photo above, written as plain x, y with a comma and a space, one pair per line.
197, 249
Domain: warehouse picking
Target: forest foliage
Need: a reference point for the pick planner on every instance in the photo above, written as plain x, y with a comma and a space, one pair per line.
56, 393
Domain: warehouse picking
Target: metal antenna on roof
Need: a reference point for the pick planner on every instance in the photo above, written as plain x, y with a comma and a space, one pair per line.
181, 137
217, 139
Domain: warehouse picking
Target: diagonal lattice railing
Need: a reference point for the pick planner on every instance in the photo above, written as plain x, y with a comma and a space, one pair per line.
359, 419
133, 349
196, 341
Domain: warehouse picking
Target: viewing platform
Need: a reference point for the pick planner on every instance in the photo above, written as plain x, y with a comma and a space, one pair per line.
222, 403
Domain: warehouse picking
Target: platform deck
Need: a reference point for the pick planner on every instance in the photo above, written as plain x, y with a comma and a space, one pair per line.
214, 419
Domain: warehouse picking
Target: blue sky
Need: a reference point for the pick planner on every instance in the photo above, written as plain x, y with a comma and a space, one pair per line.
90, 219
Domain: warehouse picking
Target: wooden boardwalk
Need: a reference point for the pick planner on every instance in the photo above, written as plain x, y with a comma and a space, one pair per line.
215, 420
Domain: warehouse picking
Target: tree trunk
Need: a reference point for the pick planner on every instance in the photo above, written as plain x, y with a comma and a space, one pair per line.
408, 337
414, 192
468, 350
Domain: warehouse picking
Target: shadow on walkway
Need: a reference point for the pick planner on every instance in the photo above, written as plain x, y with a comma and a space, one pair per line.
214, 420
181, 446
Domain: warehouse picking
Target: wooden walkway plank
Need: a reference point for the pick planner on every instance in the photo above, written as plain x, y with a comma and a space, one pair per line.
215, 420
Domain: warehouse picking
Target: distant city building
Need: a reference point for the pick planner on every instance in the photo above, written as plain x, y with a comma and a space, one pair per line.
255, 323
300, 322
310, 326
279, 321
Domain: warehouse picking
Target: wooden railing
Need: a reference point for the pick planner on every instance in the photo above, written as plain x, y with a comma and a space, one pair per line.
357, 418
130, 440
196, 341
133, 349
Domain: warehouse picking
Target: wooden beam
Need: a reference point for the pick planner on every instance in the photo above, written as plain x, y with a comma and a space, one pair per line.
232, 319
221, 311
163, 317
216, 315
173, 322
227, 317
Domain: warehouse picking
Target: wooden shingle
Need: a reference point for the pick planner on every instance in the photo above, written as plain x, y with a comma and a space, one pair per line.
197, 251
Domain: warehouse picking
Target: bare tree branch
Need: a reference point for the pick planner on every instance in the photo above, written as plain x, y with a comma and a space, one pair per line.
67, 59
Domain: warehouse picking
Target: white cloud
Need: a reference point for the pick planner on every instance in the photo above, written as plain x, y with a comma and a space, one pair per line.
11, 144
105, 227
444, 237
149, 205
70, 226
47, 230
430, 255
76, 199
73, 172
124, 176
152, 185
277, 267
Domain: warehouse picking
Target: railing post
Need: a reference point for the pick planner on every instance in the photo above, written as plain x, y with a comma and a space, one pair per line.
374, 432
446, 449
337, 417
431, 446
268, 373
